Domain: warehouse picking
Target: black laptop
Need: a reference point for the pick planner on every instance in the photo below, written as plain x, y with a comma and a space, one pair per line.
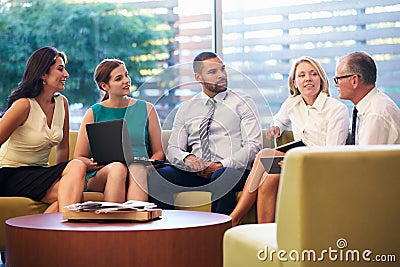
109, 142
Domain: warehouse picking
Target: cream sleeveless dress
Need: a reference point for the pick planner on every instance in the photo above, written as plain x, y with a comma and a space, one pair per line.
24, 156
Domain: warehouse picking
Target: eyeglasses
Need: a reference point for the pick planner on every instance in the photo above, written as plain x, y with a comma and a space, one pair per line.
336, 79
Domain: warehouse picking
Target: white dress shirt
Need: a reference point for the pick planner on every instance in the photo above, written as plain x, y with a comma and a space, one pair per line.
235, 133
378, 120
326, 122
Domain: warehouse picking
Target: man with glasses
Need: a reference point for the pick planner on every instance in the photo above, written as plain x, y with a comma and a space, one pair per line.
376, 118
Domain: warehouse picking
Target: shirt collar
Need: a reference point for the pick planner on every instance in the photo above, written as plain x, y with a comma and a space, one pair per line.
320, 101
219, 97
362, 105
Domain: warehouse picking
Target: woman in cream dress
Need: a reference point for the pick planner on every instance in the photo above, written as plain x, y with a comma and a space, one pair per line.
36, 120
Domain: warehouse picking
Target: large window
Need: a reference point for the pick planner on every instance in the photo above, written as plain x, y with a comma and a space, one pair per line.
258, 41
262, 38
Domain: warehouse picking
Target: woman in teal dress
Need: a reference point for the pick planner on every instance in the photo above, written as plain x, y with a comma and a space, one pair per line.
119, 182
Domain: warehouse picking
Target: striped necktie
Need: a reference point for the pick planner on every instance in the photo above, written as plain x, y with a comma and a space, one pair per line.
353, 127
204, 127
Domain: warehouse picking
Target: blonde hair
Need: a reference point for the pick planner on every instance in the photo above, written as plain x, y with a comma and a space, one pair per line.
292, 76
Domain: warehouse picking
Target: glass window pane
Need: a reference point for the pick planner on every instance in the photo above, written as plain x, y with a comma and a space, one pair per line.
261, 39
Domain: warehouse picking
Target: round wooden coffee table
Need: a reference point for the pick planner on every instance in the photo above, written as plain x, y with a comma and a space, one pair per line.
180, 238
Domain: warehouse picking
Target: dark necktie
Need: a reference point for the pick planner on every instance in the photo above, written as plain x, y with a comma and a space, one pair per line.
353, 127
204, 128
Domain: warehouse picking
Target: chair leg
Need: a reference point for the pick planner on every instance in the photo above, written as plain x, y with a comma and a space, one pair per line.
3, 257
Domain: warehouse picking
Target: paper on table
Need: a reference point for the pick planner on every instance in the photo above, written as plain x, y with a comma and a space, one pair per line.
99, 205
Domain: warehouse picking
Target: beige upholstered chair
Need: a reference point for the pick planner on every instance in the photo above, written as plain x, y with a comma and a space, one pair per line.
340, 202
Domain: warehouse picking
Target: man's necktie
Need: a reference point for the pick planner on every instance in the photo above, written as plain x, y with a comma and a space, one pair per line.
353, 127
204, 128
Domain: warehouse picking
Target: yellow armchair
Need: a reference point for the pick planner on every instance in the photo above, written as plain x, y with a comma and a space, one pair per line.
337, 206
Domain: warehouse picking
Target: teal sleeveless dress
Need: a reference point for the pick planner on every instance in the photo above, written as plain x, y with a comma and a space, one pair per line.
137, 123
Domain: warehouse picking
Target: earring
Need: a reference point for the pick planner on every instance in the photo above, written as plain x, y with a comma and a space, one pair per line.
44, 82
